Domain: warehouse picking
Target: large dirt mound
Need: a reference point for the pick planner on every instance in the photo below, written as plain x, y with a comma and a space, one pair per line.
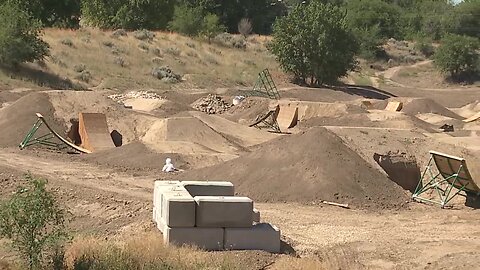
311, 166
18, 118
425, 105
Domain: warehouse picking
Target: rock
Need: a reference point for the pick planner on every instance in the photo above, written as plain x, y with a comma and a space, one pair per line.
211, 104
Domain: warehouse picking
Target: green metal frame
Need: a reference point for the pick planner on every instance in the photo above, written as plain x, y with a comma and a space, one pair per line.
273, 124
265, 86
439, 184
46, 139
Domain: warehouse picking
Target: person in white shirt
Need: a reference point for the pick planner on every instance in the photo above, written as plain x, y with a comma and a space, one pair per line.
168, 167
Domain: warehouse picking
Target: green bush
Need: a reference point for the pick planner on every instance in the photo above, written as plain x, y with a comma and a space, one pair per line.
19, 37
425, 47
458, 56
187, 20
314, 44
33, 221
211, 26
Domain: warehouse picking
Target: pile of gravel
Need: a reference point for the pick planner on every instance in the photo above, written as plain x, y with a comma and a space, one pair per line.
211, 104
134, 94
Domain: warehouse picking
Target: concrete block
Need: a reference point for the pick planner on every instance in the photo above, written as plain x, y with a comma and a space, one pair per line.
205, 238
178, 209
158, 197
256, 215
158, 184
209, 188
161, 225
262, 236
217, 211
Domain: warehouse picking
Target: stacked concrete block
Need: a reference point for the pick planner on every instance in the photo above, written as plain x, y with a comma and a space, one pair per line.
220, 211
208, 215
209, 188
261, 236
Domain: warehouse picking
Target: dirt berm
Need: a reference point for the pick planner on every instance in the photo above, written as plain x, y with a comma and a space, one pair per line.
18, 118
308, 167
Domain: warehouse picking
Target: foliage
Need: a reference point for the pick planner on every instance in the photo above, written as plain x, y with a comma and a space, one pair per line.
211, 26
458, 56
19, 36
245, 27
187, 20
313, 42
424, 45
52, 13
33, 221
128, 14
467, 18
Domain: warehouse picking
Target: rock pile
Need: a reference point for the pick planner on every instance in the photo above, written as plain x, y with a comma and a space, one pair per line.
165, 74
211, 104
134, 94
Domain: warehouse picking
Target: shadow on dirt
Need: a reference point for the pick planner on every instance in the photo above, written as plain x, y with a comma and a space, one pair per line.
365, 91
39, 77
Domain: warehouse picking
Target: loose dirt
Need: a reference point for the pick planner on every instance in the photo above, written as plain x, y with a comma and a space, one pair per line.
311, 166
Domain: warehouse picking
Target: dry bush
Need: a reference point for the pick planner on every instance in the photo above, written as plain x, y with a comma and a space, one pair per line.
120, 61
140, 252
144, 35
144, 47
108, 43
293, 263
173, 51
67, 42
245, 27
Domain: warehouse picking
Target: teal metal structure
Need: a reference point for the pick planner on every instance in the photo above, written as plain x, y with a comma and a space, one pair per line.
265, 86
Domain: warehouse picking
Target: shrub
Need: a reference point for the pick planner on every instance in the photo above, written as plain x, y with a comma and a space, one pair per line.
229, 40
313, 43
33, 221
187, 20
120, 61
143, 46
173, 51
84, 76
144, 35
67, 42
211, 27
425, 47
119, 33
157, 51
79, 68
157, 60
108, 43
245, 27
458, 56
19, 36
165, 74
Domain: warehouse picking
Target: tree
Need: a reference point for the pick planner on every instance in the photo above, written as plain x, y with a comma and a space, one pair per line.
128, 14
211, 26
33, 221
467, 18
19, 36
458, 56
245, 27
187, 20
314, 43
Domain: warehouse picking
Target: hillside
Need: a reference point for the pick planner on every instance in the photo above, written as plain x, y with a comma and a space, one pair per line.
90, 58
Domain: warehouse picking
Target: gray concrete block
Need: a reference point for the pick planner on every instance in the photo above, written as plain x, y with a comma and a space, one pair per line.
161, 225
209, 188
178, 209
262, 236
256, 215
159, 195
158, 184
217, 211
205, 238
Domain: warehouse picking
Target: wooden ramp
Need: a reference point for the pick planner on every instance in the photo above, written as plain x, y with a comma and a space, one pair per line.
94, 133
287, 117
394, 106
472, 118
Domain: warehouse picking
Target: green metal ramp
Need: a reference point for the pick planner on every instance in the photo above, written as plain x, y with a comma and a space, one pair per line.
265, 86
444, 178
50, 139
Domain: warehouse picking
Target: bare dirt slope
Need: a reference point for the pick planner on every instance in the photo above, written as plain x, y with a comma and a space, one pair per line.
311, 166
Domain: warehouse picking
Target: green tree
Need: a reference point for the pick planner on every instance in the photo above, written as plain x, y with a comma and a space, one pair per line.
314, 43
467, 18
211, 26
52, 13
187, 20
129, 14
458, 56
33, 221
19, 36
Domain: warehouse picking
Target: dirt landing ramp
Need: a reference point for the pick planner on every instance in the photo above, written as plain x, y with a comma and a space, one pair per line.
94, 132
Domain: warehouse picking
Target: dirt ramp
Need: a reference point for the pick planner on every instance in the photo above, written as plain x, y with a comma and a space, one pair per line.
306, 167
401, 168
18, 118
425, 105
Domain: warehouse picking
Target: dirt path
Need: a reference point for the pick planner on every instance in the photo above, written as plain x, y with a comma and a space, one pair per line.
421, 238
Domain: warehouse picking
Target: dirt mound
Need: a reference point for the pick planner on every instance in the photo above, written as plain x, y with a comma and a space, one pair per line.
310, 166
212, 104
18, 118
134, 156
424, 105
401, 168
